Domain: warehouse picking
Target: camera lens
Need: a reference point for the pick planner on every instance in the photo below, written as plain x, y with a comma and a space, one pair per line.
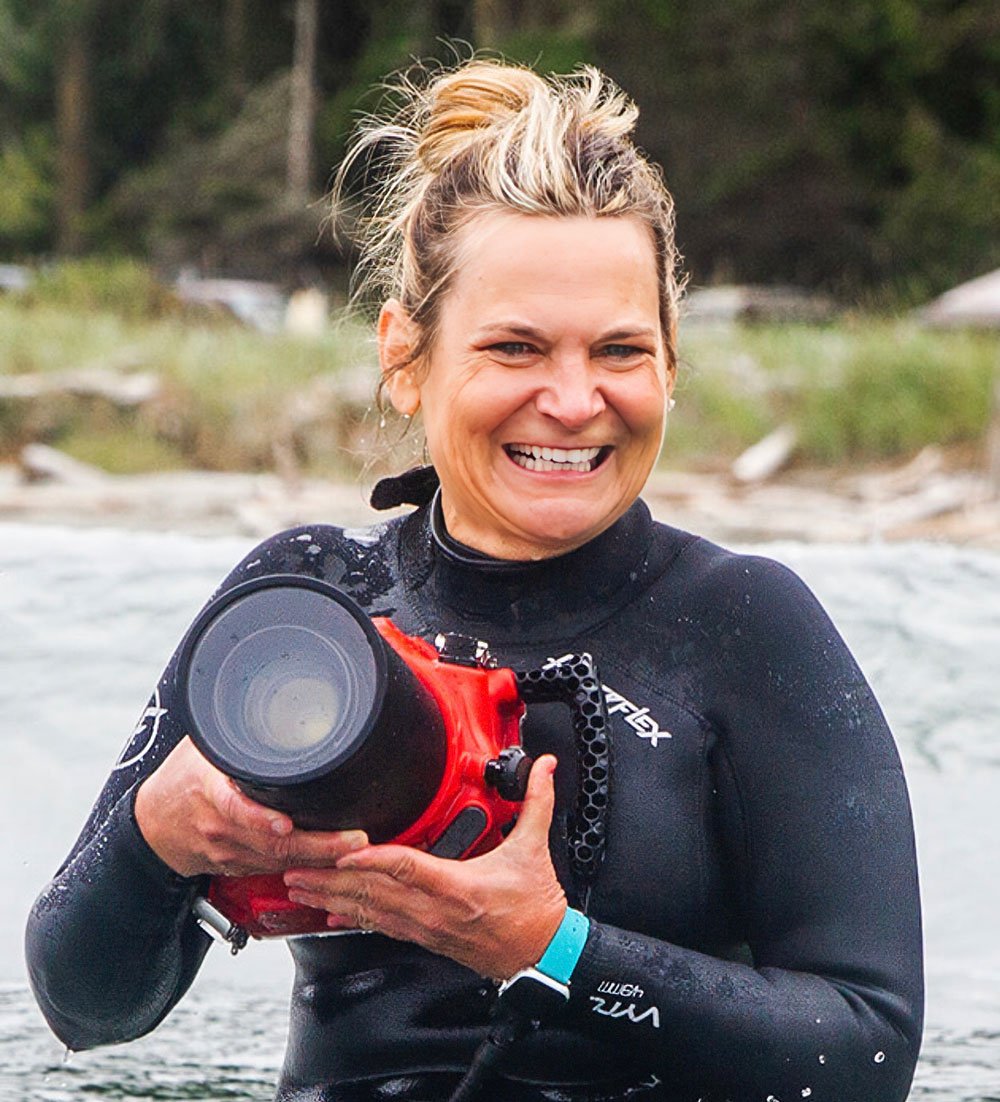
290, 689
282, 681
290, 710
285, 691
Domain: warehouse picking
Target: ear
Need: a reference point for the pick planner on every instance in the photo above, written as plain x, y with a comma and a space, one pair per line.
397, 341
672, 368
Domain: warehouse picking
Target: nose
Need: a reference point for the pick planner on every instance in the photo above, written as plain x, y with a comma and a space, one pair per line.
571, 394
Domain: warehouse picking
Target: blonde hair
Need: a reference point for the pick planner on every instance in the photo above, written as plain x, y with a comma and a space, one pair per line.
487, 136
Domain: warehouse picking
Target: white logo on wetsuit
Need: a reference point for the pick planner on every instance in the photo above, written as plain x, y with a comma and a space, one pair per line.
618, 1011
637, 718
152, 716
624, 990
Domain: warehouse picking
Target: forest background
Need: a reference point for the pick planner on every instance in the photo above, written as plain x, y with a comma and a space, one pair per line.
850, 150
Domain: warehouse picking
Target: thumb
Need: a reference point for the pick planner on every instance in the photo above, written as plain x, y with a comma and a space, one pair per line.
535, 817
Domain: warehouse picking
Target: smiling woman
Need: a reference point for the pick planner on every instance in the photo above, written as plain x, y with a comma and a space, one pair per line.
544, 392
747, 925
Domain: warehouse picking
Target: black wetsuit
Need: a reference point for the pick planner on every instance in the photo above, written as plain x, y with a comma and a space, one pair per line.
755, 923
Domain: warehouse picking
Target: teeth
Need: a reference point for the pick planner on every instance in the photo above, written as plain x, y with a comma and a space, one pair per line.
558, 455
533, 457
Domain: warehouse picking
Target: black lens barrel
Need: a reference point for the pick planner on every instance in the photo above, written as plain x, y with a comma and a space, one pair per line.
290, 690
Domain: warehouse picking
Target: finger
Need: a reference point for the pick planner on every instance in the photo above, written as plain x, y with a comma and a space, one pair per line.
246, 816
403, 864
320, 849
353, 893
535, 817
234, 807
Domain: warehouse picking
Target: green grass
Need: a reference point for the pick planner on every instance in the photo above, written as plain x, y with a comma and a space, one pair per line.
121, 450
227, 391
859, 390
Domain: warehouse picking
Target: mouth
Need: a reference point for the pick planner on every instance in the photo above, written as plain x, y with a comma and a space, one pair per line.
534, 457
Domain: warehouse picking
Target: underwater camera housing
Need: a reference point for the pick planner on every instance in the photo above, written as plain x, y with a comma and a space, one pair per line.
344, 722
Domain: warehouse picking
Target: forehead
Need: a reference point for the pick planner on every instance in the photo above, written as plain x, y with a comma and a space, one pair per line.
548, 264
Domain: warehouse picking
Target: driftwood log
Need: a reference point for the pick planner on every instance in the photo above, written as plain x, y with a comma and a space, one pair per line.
767, 456
942, 505
124, 389
40, 463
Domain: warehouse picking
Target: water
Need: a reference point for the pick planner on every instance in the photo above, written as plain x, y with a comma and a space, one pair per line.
88, 618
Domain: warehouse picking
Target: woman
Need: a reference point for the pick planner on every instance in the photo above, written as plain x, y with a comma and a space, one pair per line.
753, 931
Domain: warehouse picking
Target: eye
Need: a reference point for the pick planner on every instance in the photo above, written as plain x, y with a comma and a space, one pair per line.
513, 350
623, 355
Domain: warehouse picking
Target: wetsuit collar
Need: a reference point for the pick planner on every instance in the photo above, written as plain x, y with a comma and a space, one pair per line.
550, 595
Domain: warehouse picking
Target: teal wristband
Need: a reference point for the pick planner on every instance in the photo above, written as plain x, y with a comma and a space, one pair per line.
566, 946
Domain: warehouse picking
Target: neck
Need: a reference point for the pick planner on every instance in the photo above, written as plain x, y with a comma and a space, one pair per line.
532, 596
466, 540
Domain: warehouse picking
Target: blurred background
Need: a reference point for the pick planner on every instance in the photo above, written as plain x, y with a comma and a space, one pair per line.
853, 148
171, 285
175, 355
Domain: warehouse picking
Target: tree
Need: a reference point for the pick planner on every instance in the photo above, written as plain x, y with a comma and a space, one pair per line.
794, 133
845, 146
302, 111
73, 121
234, 37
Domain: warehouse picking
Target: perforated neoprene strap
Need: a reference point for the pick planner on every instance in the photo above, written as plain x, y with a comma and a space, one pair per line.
574, 681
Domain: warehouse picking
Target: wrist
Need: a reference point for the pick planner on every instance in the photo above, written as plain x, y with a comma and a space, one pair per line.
148, 824
565, 947
543, 986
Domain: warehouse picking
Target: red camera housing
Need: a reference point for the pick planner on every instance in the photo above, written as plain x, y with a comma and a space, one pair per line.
481, 710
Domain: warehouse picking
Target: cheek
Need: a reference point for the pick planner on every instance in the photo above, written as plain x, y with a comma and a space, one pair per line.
459, 424
643, 408
470, 417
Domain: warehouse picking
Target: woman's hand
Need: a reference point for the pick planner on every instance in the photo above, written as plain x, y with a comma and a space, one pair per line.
197, 821
495, 914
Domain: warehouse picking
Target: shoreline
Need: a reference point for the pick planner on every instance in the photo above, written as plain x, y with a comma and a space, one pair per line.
927, 499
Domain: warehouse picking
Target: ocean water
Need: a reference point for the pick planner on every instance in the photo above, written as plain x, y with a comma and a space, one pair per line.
89, 617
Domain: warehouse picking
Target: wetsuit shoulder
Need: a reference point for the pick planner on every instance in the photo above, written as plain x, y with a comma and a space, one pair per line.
808, 774
362, 561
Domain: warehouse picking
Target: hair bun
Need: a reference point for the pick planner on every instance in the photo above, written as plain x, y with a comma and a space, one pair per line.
463, 103
449, 145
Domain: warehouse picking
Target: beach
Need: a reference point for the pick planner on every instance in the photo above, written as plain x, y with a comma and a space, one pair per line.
929, 498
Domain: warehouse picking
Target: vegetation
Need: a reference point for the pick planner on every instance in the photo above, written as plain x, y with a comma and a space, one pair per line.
227, 395
231, 398
854, 147
864, 389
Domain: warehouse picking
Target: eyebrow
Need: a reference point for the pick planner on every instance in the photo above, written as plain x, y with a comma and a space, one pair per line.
640, 331
518, 329
514, 329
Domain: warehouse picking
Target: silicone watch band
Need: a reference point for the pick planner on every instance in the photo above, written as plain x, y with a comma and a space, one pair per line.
566, 947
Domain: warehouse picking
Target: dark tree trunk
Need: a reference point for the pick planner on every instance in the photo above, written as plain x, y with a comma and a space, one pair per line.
302, 111
492, 21
73, 112
234, 36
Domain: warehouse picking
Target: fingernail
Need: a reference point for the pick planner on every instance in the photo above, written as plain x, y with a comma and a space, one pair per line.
356, 839
281, 826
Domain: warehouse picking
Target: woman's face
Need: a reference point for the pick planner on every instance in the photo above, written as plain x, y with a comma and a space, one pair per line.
544, 395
